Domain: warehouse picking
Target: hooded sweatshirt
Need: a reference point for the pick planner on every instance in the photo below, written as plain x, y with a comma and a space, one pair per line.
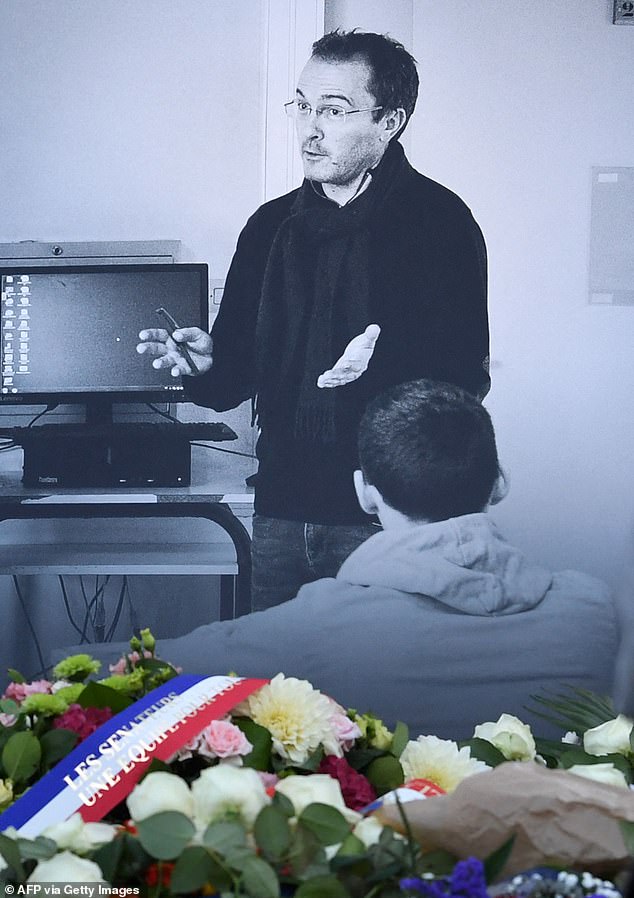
443, 626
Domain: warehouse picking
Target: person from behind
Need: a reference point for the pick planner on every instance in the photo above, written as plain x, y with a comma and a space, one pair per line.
436, 620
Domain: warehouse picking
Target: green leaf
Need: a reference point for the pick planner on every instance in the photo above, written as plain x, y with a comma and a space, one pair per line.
351, 846
578, 710
11, 854
322, 887
305, 850
259, 879
21, 756
225, 836
155, 664
195, 868
284, 804
95, 695
494, 864
15, 676
439, 862
326, 822
359, 758
260, 756
39, 849
165, 835
56, 744
485, 751
272, 832
124, 856
385, 774
400, 740
156, 765
8, 706
108, 857
627, 831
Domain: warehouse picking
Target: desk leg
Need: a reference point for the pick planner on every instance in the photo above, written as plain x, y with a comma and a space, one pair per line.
234, 601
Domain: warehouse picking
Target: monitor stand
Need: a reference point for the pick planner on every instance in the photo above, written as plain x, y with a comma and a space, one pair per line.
99, 412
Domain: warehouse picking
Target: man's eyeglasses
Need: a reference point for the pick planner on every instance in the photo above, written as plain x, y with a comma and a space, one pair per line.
299, 109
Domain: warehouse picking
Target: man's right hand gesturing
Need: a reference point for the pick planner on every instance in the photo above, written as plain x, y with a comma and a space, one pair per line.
167, 352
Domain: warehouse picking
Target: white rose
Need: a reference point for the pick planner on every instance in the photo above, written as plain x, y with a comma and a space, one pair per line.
317, 787
602, 773
510, 736
570, 738
158, 792
226, 789
66, 867
368, 830
609, 737
79, 836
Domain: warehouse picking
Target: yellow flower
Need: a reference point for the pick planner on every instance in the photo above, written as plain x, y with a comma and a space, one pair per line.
382, 738
440, 761
126, 683
296, 715
6, 793
76, 668
46, 705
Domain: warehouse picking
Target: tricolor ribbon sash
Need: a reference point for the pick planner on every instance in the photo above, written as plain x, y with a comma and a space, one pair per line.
102, 770
413, 790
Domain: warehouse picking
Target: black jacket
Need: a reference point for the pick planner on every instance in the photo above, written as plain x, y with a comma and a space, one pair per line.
428, 294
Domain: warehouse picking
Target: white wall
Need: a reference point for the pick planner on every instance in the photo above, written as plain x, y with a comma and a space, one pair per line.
128, 121
131, 121
518, 101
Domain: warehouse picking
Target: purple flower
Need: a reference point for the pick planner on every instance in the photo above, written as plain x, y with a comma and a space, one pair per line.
466, 881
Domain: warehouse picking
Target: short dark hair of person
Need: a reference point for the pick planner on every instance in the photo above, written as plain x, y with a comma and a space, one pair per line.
393, 77
429, 449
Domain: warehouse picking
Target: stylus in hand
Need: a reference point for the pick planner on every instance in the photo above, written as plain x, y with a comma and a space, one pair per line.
184, 351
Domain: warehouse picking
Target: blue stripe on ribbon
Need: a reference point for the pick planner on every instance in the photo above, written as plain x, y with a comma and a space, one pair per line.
52, 783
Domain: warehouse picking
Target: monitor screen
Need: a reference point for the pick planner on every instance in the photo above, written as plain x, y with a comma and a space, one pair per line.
69, 333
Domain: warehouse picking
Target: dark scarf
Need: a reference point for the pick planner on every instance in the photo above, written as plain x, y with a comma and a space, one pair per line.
315, 298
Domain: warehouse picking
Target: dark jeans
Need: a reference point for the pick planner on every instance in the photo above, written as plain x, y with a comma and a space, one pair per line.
287, 554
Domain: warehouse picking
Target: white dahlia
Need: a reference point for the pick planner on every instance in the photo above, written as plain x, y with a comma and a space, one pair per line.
440, 761
297, 716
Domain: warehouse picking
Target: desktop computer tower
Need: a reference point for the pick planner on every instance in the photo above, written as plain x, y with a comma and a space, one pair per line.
87, 460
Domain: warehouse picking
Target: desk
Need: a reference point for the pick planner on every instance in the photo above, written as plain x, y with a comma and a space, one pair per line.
197, 501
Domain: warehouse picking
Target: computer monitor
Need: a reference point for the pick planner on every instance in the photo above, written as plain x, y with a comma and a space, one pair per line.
69, 332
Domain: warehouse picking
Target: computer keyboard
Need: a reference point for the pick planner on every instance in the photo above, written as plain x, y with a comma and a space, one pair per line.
121, 431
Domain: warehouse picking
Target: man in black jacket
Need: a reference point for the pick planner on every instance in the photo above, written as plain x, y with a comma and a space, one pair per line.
368, 275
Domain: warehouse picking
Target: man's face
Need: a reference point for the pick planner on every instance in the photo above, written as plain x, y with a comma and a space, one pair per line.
338, 152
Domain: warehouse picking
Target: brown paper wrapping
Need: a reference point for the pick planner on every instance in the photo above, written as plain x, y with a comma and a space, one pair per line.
557, 817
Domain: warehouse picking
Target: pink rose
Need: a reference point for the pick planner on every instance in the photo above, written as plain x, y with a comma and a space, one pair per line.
121, 666
7, 720
223, 739
19, 691
346, 730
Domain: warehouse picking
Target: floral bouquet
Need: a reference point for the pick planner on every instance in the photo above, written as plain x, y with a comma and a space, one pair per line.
273, 796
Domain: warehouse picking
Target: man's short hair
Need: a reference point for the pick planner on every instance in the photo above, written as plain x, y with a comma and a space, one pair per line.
393, 76
429, 449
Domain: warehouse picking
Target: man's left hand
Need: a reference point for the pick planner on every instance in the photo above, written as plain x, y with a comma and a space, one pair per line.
354, 361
